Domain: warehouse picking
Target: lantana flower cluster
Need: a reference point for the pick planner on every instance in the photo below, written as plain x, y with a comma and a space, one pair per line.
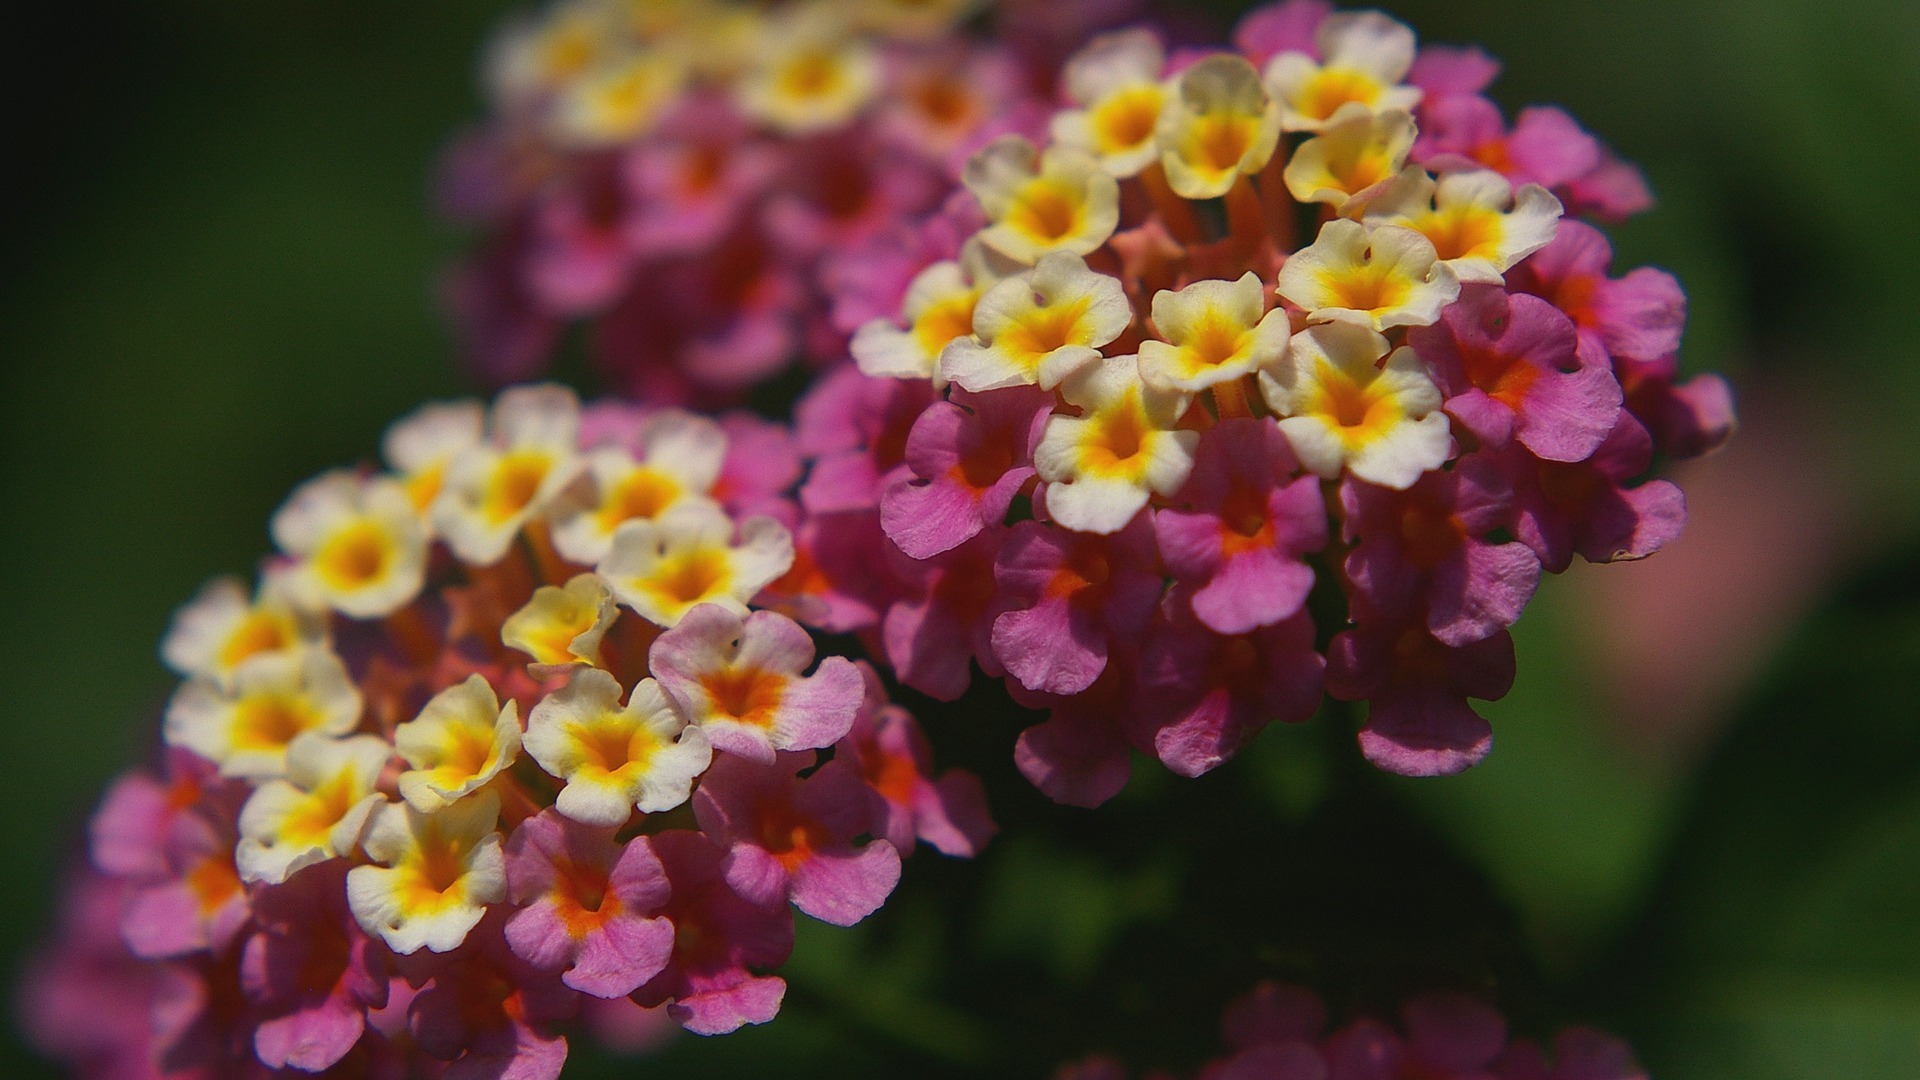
1275, 369
1279, 1032
708, 181
497, 740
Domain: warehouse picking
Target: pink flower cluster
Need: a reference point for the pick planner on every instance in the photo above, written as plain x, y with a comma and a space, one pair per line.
1131, 445
495, 746
1279, 1032
708, 183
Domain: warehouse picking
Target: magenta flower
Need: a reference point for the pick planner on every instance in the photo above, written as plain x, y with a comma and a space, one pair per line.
199, 904
939, 625
1287, 26
1586, 507
1636, 317
970, 455
695, 179
1416, 689
488, 1013
1079, 755
854, 428
1428, 548
891, 754
588, 904
312, 970
1207, 694
839, 581
709, 984
1510, 371
1238, 528
740, 681
1065, 597
792, 838
579, 247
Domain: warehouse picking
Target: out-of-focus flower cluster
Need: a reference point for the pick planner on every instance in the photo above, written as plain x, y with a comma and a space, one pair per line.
495, 742
1274, 369
1279, 1032
710, 181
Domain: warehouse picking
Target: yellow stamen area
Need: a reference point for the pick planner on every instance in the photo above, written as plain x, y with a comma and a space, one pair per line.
270, 721
1330, 88
1126, 119
685, 579
430, 880
1213, 342
465, 752
944, 320
1116, 440
1361, 173
1216, 144
748, 695
516, 479
1043, 330
213, 881
1358, 414
259, 632
612, 746
568, 49
554, 640
1367, 287
355, 556
812, 74
642, 493
424, 486
1046, 211
1461, 232
322, 809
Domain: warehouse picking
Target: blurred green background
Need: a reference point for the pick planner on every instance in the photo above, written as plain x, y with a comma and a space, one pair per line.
1701, 825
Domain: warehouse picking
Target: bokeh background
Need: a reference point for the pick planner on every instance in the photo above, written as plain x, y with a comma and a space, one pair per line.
1701, 826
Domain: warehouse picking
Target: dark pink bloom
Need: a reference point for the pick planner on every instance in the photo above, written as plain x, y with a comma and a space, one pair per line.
695, 179
1416, 689
720, 939
1545, 146
760, 469
1205, 694
1272, 1061
1510, 371
200, 904
1686, 420
1579, 1053
1447, 1037
588, 904
869, 280
1079, 756
1613, 191
84, 1000
854, 430
127, 834
839, 190
1273, 1013
1427, 548
1637, 317
502, 330
792, 838
578, 249
1287, 26
969, 456
1443, 71
1063, 598
312, 970
1587, 506
1240, 525
941, 621
891, 755
945, 93
488, 1013
201, 1020
839, 581
740, 680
